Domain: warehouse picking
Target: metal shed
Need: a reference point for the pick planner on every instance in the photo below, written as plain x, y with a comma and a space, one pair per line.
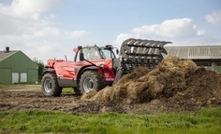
16, 67
207, 56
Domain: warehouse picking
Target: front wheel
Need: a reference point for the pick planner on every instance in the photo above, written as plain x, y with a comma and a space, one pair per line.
49, 85
91, 80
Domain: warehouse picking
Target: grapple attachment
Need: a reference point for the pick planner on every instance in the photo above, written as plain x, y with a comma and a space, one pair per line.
139, 52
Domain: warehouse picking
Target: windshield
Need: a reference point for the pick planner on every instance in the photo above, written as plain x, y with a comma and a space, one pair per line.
107, 54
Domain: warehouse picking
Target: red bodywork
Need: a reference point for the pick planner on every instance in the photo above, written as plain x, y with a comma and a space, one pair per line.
73, 70
69, 72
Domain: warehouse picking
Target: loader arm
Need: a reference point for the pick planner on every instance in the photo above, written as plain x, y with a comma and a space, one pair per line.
139, 52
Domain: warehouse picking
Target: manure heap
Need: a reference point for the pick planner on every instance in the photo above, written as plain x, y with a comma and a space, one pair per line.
176, 81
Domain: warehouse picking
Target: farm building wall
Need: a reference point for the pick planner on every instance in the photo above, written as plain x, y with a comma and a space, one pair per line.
18, 68
207, 56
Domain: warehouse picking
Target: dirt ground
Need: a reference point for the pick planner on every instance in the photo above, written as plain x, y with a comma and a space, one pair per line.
174, 86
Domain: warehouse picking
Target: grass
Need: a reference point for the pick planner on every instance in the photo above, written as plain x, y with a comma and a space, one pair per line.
33, 89
1, 86
67, 90
204, 122
64, 90
4, 85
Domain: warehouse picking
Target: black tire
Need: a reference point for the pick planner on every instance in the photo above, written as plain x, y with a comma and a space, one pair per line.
91, 80
77, 91
49, 85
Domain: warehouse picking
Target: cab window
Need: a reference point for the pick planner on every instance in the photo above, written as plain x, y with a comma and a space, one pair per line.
89, 54
107, 54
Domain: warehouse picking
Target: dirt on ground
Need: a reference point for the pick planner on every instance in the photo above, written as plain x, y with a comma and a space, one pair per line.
175, 85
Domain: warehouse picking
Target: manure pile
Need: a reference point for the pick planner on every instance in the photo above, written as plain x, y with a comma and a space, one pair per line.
174, 80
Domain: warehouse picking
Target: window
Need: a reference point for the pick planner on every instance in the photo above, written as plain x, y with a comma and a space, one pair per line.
107, 54
78, 56
90, 53
94, 53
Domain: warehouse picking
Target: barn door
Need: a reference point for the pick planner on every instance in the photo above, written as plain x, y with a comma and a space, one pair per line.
15, 77
23, 77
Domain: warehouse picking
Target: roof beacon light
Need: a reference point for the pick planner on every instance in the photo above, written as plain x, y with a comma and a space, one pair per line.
108, 46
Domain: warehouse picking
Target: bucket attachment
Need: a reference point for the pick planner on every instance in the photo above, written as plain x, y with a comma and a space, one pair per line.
139, 52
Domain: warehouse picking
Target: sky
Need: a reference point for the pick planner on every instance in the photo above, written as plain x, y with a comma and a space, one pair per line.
48, 29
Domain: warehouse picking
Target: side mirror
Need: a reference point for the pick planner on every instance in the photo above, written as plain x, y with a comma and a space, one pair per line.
117, 51
81, 56
79, 47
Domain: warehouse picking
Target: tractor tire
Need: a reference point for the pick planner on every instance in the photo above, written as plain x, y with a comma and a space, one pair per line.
49, 85
91, 80
77, 91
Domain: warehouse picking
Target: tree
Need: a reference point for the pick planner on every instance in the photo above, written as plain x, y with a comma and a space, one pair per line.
40, 67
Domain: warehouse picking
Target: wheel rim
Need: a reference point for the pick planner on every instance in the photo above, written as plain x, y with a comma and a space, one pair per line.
88, 84
48, 85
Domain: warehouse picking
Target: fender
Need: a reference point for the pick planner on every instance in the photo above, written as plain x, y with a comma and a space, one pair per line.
85, 69
89, 68
61, 82
48, 70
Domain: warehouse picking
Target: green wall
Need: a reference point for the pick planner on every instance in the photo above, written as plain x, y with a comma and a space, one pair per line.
32, 75
209, 68
219, 69
4, 75
18, 63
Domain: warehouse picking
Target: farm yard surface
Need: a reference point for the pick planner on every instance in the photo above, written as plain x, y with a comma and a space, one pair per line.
175, 85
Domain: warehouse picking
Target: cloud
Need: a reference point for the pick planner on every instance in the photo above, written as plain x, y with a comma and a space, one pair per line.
27, 7
175, 30
214, 17
26, 25
123, 36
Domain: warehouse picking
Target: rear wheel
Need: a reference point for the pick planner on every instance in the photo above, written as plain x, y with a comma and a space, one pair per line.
49, 85
91, 80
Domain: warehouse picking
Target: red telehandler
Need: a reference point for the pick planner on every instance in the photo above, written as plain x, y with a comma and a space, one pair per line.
96, 67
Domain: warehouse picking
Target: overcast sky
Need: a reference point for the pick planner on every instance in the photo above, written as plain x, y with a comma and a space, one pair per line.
52, 28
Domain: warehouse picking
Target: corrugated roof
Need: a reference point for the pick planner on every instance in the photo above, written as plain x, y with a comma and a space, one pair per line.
195, 52
4, 55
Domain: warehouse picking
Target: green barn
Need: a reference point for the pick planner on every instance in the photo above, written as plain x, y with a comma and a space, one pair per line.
16, 67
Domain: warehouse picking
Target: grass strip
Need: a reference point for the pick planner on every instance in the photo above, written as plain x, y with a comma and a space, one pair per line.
204, 122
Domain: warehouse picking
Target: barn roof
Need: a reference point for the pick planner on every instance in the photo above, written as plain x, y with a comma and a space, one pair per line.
4, 54
195, 52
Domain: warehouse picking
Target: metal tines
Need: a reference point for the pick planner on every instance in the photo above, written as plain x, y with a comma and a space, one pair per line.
142, 52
